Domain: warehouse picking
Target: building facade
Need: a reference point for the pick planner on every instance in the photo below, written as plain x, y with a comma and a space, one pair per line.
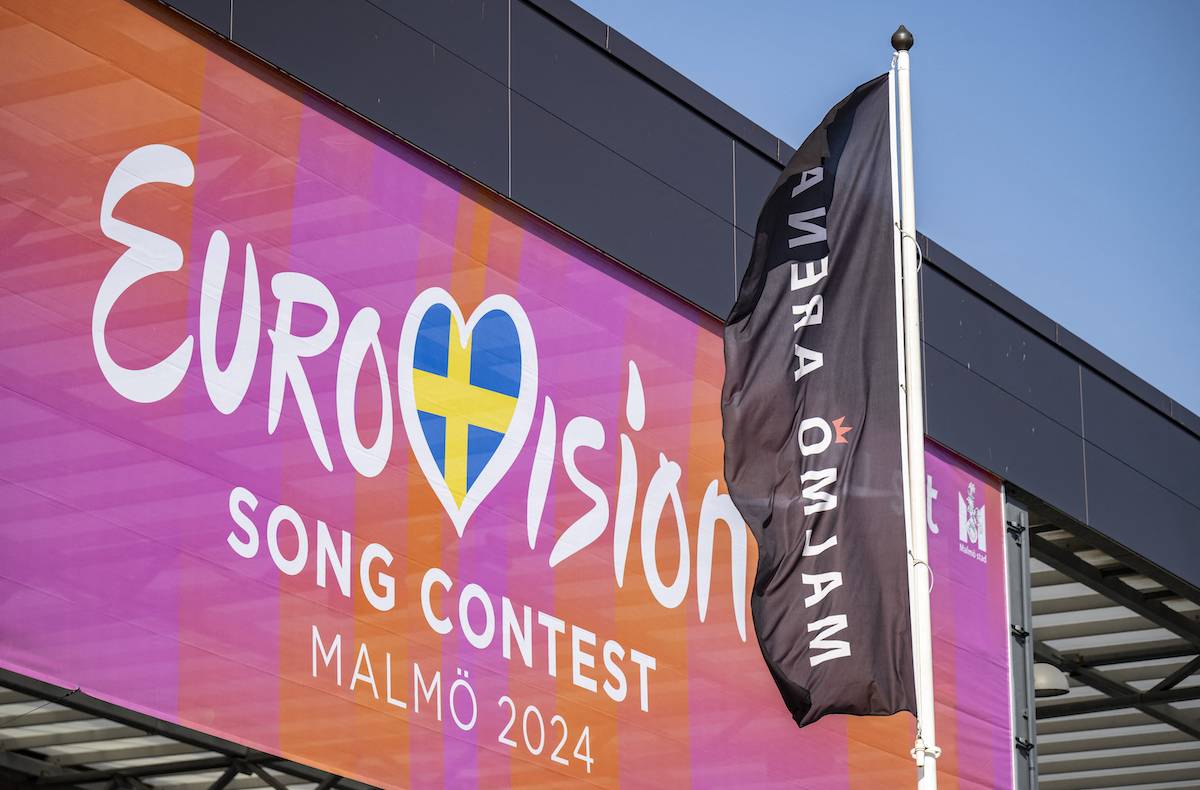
363, 367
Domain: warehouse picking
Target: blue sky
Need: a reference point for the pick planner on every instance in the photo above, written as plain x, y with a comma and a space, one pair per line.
1057, 144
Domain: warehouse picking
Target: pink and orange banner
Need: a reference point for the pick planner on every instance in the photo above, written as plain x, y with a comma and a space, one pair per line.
971, 666
311, 443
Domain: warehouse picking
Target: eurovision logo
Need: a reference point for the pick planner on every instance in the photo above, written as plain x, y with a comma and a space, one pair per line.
474, 388
467, 390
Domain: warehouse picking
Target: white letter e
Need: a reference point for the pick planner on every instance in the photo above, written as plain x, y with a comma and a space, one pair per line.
148, 253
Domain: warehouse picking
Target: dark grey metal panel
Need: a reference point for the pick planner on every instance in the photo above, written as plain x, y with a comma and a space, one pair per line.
213, 14
364, 58
1006, 302
1068, 341
1104, 364
954, 266
590, 90
584, 24
1133, 510
977, 419
990, 343
581, 185
594, 30
1186, 418
1141, 437
755, 175
474, 30
708, 105
743, 246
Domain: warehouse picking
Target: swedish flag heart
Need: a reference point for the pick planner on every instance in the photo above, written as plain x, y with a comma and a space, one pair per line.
468, 390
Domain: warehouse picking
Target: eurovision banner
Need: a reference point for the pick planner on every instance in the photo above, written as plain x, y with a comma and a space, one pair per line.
308, 442
812, 423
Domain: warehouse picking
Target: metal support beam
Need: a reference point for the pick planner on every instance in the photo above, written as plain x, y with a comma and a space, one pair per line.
1128, 655
119, 751
1154, 610
18, 771
40, 739
224, 779
28, 766
77, 706
310, 774
155, 769
261, 773
1178, 676
1020, 620
1113, 688
45, 713
105, 710
1136, 700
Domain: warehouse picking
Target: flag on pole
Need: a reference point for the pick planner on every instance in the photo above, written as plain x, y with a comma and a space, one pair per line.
812, 419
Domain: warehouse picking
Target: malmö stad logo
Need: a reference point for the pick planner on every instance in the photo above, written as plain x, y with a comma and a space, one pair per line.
972, 526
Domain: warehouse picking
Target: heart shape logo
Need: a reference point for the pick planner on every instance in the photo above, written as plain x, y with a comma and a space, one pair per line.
468, 390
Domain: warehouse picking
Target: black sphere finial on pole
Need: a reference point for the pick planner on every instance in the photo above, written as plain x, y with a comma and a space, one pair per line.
902, 39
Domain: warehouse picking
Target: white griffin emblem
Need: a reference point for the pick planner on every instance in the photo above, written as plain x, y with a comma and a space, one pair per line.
971, 520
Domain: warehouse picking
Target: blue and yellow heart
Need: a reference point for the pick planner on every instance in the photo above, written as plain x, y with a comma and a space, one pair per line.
465, 394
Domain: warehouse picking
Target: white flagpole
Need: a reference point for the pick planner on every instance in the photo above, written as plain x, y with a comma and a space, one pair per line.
924, 751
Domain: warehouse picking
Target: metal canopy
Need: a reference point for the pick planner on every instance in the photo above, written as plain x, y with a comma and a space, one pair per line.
63, 738
1128, 636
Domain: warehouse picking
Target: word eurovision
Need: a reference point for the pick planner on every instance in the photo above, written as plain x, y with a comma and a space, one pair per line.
149, 253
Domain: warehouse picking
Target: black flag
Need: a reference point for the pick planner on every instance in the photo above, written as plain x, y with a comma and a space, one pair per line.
811, 412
